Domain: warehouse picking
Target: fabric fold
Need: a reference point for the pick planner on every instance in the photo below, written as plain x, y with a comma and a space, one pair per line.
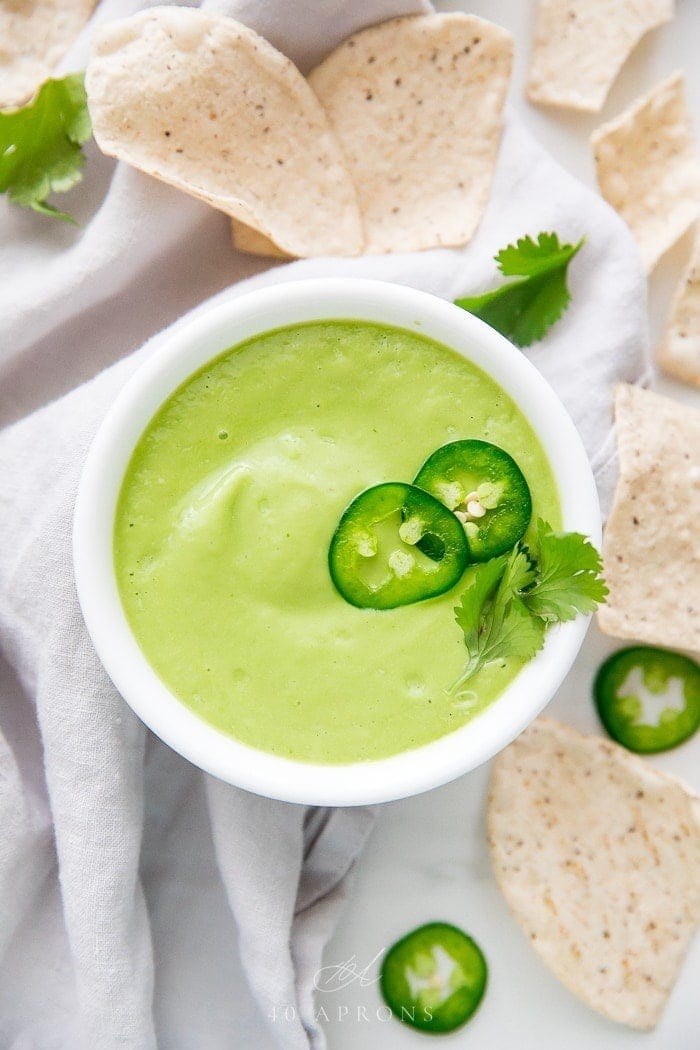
259, 847
92, 745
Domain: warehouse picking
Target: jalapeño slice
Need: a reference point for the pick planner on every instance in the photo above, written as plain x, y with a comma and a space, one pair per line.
395, 545
648, 699
434, 978
486, 490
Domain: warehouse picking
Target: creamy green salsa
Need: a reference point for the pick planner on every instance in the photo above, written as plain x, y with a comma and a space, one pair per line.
225, 517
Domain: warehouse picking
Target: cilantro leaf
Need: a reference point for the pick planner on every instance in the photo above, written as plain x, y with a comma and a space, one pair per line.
40, 144
524, 310
569, 578
521, 570
470, 613
495, 622
529, 258
521, 635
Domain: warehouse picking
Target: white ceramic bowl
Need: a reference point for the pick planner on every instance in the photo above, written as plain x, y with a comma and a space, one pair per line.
184, 350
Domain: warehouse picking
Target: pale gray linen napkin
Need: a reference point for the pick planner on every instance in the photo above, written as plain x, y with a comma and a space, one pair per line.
143, 903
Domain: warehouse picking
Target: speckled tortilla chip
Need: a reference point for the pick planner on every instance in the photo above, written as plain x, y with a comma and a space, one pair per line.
416, 104
579, 47
648, 168
597, 853
679, 353
34, 36
651, 543
207, 105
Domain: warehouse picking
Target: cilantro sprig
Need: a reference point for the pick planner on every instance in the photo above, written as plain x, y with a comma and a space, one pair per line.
40, 145
510, 601
493, 617
525, 309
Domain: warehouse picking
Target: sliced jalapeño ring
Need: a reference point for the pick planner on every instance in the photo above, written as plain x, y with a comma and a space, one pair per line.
486, 490
434, 978
394, 545
648, 699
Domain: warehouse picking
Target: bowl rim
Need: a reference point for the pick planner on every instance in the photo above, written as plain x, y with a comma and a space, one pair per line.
177, 354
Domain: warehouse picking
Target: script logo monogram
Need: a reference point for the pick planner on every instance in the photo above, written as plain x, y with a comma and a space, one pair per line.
337, 976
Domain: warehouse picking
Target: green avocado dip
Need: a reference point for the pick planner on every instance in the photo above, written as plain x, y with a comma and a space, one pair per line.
223, 527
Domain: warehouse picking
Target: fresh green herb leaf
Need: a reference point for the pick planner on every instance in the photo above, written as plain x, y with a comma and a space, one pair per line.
521, 635
521, 570
510, 601
528, 258
568, 580
470, 613
495, 622
524, 310
40, 144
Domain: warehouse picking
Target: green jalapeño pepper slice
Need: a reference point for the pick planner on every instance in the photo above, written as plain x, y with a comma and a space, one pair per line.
648, 699
486, 490
434, 978
395, 545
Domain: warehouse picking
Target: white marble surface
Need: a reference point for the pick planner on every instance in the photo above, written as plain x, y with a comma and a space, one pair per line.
427, 858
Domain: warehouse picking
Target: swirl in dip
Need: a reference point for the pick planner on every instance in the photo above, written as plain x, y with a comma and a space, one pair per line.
224, 520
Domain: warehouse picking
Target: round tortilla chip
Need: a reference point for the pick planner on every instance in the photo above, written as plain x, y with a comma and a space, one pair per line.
206, 105
579, 47
598, 855
417, 104
34, 37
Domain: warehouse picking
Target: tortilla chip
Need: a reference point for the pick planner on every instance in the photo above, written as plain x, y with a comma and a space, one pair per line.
206, 105
597, 854
34, 37
417, 105
679, 353
252, 242
648, 168
579, 47
651, 544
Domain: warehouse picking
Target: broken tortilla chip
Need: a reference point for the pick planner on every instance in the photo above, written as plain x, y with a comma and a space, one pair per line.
206, 105
597, 853
417, 104
648, 168
679, 353
34, 37
651, 543
579, 47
